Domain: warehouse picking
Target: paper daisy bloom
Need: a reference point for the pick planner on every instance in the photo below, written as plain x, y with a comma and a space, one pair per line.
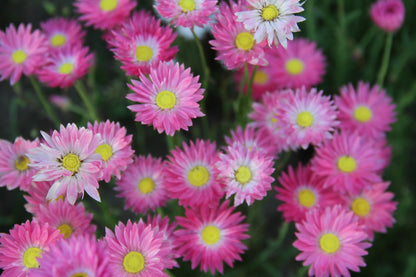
142, 185
388, 15
300, 64
142, 43
137, 249
104, 14
374, 206
245, 173
78, 256
272, 20
367, 110
211, 236
234, 45
186, 13
62, 32
300, 191
191, 176
308, 117
23, 246
68, 159
21, 52
65, 66
167, 98
347, 162
15, 171
115, 150
331, 242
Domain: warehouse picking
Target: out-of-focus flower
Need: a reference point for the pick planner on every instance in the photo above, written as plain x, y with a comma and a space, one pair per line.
388, 15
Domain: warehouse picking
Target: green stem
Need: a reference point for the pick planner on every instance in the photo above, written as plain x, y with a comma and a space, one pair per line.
203, 60
44, 102
385, 61
170, 142
79, 86
250, 83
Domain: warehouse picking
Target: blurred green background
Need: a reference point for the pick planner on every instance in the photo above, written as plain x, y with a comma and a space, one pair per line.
353, 47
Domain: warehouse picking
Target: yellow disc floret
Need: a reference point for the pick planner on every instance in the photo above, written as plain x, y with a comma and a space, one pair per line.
79, 274
244, 41
21, 163
30, 255
269, 13
304, 119
71, 162
58, 40
360, 206
133, 262
19, 56
65, 229
108, 5
105, 151
66, 68
260, 77
146, 185
144, 53
198, 176
187, 5
306, 198
243, 175
210, 234
165, 100
363, 114
294, 66
346, 164
329, 243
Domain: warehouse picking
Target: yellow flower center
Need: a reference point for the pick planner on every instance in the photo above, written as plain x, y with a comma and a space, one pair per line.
260, 77
361, 206
66, 68
105, 151
306, 198
304, 119
108, 5
65, 229
71, 162
165, 100
269, 13
144, 53
21, 163
243, 175
198, 176
244, 41
347, 164
146, 185
329, 243
294, 66
58, 40
79, 274
362, 114
30, 255
133, 262
187, 5
19, 56
211, 235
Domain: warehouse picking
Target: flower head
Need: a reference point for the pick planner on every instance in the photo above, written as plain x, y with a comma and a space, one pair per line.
61, 32
388, 15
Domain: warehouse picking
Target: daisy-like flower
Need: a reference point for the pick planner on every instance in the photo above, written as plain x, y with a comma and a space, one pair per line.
348, 162
273, 20
167, 98
61, 32
21, 248
211, 236
300, 191
300, 64
68, 159
235, 46
187, 13
69, 219
137, 249
191, 175
115, 150
78, 256
388, 15
142, 43
65, 66
308, 117
21, 52
104, 14
142, 185
245, 173
15, 171
36, 197
367, 110
374, 206
331, 242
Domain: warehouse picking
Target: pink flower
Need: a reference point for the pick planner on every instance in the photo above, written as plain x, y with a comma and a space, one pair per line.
367, 110
211, 236
186, 13
331, 242
388, 15
15, 171
21, 249
235, 46
36, 197
104, 14
61, 32
21, 52
167, 98
115, 150
68, 159
142, 185
191, 175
